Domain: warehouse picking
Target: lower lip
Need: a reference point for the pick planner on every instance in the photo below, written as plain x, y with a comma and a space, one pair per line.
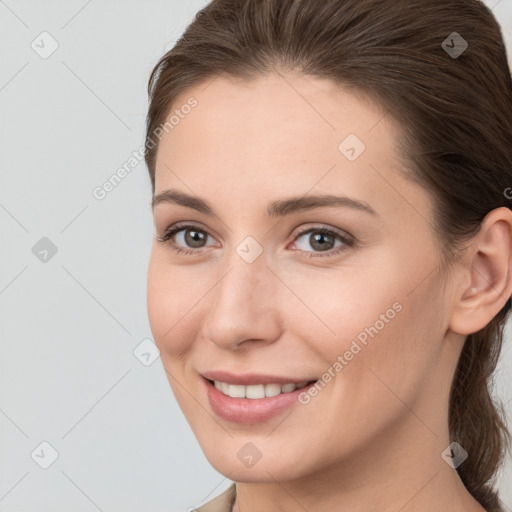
250, 410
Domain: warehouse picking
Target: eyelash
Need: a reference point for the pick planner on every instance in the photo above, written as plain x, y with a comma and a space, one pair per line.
166, 238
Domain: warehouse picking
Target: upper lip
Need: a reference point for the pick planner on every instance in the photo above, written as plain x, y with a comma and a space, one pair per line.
249, 379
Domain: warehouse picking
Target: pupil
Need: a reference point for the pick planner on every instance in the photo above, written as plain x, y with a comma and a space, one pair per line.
317, 239
196, 236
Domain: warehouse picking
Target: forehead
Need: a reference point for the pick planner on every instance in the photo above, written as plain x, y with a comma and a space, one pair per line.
275, 109
279, 133
231, 110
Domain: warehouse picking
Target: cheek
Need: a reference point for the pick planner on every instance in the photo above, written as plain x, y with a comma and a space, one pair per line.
337, 306
170, 303
370, 330
396, 357
171, 294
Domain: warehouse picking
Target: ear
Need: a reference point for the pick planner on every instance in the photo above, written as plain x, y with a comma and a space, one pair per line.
485, 274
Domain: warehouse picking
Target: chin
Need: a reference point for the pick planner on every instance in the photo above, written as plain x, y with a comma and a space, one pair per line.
266, 469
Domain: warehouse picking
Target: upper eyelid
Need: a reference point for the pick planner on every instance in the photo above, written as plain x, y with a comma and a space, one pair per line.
344, 235
176, 228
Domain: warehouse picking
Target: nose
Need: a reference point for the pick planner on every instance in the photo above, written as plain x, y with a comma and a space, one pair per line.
243, 306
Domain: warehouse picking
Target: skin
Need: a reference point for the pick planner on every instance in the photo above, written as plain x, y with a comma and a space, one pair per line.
372, 439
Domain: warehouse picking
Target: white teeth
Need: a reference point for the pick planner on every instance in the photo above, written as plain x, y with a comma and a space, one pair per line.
221, 386
236, 391
257, 390
272, 390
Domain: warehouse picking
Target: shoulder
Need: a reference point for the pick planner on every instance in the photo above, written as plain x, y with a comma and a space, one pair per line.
221, 503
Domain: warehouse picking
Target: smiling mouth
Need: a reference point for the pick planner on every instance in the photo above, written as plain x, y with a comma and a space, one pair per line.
258, 391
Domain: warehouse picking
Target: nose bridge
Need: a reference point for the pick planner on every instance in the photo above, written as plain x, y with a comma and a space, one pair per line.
243, 304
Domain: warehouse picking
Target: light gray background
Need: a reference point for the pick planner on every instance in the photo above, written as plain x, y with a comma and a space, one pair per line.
68, 374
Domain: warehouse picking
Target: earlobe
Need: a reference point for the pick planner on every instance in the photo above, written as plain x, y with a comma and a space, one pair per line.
488, 269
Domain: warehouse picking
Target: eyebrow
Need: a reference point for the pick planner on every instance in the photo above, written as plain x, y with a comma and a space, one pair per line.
276, 208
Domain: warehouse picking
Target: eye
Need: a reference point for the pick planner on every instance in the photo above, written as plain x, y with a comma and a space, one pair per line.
322, 240
190, 239
187, 235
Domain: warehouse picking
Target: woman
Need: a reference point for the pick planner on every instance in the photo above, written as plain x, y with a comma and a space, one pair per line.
331, 270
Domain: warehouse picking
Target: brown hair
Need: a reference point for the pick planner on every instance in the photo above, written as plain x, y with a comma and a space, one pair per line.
454, 113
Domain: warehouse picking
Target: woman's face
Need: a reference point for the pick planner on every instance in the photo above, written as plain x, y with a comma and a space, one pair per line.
259, 289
